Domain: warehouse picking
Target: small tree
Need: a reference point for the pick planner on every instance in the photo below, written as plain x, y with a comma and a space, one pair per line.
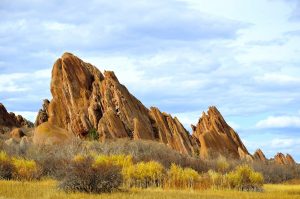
245, 178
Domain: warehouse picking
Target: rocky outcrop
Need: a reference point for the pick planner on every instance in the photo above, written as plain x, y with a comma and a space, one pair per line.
170, 131
42, 114
8, 121
259, 156
290, 160
48, 134
86, 100
282, 159
216, 136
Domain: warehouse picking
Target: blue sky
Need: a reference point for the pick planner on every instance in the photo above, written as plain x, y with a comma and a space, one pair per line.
181, 56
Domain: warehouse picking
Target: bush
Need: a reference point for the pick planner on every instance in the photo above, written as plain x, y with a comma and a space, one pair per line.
117, 160
275, 173
84, 175
93, 134
245, 178
25, 169
182, 177
217, 179
144, 174
222, 164
6, 167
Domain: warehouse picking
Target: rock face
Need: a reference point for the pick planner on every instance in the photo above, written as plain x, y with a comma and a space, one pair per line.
86, 100
170, 131
42, 114
280, 158
10, 120
259, 156
216, 136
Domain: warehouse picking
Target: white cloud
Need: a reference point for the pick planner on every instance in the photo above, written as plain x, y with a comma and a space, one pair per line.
29, 115
279, 122
277, 78
20, 82
282, 142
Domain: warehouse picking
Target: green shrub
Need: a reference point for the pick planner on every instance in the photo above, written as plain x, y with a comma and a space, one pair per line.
93, 134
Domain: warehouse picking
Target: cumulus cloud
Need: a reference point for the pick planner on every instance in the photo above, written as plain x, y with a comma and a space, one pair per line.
279, 122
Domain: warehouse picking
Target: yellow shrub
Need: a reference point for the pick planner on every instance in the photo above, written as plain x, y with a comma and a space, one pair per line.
144, 174
217, 179
117, 160
245, 178
6, 167
4, 157
78, 158
256, 178
25, 169
222, 164
182, 178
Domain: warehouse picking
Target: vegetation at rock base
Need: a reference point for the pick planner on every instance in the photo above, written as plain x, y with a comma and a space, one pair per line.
123, 165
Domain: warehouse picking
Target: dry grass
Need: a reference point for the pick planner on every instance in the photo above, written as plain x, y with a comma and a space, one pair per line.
46, 189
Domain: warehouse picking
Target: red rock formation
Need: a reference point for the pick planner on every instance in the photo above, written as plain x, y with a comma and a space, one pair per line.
280, 158
170, 131
84, 99
290, 160
10, 120
216, 136
42, 114
259, 156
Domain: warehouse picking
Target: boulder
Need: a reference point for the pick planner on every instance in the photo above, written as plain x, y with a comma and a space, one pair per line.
48, 134
17, 133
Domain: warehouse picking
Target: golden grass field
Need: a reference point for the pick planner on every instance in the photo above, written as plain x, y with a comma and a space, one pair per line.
47, 189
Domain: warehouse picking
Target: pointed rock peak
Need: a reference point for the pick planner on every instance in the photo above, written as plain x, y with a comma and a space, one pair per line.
216, 136
67, 54
280, 158
259, 155
110, 75
290, 159
213, 109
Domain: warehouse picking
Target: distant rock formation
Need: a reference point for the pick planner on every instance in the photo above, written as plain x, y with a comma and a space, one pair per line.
42, 114
8, 121
282, 159
216, 136
259, 156
86, 100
